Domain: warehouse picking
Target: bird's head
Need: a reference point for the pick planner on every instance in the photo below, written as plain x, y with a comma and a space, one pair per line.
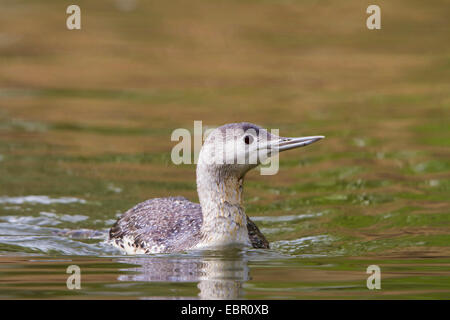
236, 148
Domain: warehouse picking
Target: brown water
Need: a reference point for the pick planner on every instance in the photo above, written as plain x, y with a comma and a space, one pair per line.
86, 118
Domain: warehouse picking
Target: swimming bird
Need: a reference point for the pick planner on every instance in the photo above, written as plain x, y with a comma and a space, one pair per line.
174, 224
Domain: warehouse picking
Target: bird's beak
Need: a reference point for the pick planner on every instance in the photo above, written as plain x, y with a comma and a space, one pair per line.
290, 143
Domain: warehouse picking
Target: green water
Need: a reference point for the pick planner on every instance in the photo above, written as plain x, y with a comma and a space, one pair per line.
85, 124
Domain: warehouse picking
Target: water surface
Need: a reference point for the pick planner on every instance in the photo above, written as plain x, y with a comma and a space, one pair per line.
86, 118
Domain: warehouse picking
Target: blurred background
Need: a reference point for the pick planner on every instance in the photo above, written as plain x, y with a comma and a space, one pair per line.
86, 117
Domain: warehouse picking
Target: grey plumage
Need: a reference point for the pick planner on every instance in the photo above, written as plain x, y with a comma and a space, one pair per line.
167, 225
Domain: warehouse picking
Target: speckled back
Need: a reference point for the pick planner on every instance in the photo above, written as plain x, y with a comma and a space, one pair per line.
166, 225
159, 225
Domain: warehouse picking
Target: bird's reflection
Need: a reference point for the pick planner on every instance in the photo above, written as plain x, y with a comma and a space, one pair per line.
220, 275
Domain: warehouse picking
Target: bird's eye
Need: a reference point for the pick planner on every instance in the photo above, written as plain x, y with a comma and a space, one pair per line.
248, 139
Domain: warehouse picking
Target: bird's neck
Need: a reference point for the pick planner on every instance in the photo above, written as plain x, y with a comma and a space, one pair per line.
224, 218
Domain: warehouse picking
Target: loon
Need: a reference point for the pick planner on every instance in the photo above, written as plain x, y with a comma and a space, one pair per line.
174, 224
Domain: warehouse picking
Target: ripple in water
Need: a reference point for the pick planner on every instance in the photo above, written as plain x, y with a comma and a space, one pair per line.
39, 200
38, 234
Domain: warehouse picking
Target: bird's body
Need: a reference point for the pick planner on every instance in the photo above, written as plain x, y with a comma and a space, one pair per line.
174, 224
167, 225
